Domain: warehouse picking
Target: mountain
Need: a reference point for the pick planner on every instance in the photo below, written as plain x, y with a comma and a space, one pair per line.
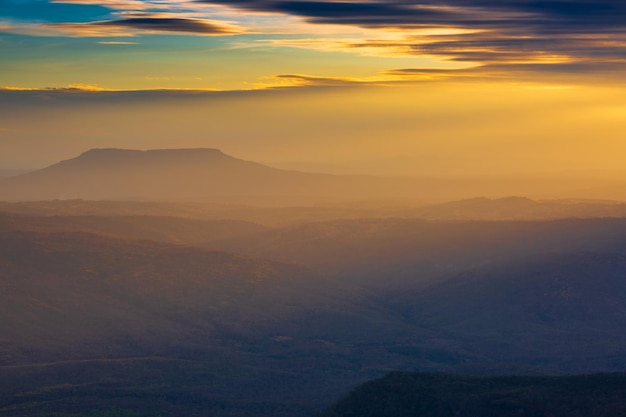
210, 175
553, 310
92, 325
402, 394
224, 317
520, 208
12, 172
175, 174
388, 252
98, 325
484, 209
156, 228
77, 295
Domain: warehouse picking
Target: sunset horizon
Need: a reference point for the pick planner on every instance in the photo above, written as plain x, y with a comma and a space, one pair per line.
312, 208
385, 88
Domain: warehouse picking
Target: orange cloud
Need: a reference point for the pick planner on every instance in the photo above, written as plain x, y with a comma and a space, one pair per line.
148, 24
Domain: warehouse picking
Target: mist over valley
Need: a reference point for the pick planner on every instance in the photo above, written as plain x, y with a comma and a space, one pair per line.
188, 282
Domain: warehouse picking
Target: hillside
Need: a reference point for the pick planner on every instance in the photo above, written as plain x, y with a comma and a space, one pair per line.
444, 395
240, 320
156, 228
520, 208
371, 250
396, 251
95, 325
475, 209
75, 291
552, 310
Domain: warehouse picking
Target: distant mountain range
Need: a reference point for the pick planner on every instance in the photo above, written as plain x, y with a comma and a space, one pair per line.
129, 314
521, 208
210, 175
450, 293
481, 208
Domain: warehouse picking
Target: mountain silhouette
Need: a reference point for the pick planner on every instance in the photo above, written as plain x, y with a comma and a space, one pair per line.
154, 174
179, 174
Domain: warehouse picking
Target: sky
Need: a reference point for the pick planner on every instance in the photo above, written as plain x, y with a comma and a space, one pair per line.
395, 87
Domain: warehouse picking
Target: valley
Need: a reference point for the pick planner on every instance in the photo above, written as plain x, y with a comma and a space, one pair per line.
189, 308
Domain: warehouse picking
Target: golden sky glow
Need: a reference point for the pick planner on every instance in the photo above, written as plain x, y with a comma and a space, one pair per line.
413, 88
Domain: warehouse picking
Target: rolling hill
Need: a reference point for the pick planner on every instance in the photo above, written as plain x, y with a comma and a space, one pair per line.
557, 311
396, 252
156, 228
76, 295
226, 317
520, 208
93, 325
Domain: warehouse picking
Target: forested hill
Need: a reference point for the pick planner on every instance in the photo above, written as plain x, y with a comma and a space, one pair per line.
401, 394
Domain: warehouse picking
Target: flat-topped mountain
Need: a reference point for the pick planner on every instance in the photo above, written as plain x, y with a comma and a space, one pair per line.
162, 174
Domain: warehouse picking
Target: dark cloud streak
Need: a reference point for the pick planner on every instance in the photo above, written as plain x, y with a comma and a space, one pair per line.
147, 25
168, 25
540, 33
476, 13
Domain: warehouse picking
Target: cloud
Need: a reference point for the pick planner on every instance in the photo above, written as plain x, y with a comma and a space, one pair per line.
569, 36
151, 24
148, 24
117, 4
117, 43
539, 33
382, 48
552, 14
310, 80
72, 88
565, 73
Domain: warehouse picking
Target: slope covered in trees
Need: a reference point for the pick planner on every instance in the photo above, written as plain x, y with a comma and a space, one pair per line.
102, 314
445, 395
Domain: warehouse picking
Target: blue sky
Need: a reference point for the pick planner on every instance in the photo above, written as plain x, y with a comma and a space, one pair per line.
45, 43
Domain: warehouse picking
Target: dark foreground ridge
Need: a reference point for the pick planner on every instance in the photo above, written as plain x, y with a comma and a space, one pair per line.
444, 395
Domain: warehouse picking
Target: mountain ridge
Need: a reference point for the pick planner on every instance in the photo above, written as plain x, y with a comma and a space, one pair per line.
158, 174
404, 394
136, 156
